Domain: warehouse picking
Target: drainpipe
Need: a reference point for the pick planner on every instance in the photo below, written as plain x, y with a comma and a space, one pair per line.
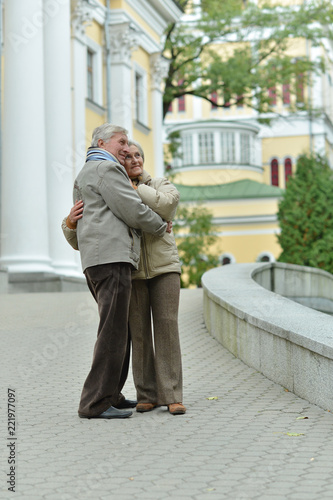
308, 55
1, 35
310, 98
108, 60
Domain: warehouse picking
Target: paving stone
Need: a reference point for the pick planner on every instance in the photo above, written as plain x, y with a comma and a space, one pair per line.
233, 448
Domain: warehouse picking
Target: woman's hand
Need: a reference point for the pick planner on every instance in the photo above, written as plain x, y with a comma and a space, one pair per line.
169, 226
75, 214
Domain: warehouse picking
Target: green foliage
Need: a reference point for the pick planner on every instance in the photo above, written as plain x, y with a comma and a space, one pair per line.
245, 74
194, 246
173, 150
306, 215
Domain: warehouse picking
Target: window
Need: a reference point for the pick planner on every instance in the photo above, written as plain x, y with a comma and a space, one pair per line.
213, 97
274, 172
181, 103
227, 258
287, 169
94, 70
138, 97
170, 108
206, 148
300, 88
90, 74
272, 96
245, 148
265, 257
227, 147
187, 150
286, 94
181, 99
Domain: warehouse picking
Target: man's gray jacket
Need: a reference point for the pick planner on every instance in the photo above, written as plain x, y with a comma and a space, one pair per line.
113, 215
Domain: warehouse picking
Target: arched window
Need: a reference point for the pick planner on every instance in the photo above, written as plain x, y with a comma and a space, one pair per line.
274, 172
227, 258
265, 257
287, 169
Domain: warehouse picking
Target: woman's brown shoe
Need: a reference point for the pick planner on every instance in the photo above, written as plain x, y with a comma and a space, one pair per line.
142, 407
177, 409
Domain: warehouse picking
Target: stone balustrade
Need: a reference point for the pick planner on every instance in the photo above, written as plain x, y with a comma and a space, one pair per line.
264, 315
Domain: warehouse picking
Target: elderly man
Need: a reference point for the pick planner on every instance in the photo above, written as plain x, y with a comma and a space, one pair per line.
109, 242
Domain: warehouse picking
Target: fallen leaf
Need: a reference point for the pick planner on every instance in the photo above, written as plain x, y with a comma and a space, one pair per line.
294, 434
210, 489
131, 478
301, 418
212, 397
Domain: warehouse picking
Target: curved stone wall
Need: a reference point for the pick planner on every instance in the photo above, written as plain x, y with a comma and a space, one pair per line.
248, 309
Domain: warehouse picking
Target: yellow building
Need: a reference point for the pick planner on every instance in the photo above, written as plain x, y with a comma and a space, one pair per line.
238, 167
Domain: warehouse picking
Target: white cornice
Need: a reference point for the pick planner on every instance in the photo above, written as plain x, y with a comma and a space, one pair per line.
247, 219
157, 13
199, 125
219, 166
249, 232
99, 11
119, 16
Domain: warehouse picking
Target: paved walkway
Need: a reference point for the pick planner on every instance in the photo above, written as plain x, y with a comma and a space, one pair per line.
253, 441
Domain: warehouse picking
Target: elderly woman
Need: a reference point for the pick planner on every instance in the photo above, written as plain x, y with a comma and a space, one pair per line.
156, 356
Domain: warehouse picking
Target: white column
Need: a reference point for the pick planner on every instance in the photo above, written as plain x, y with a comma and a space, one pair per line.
158, 70
122, 42
24, 242
82, 15
58, 127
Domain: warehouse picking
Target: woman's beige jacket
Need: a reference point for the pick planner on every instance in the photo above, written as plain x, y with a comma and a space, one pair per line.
158, 255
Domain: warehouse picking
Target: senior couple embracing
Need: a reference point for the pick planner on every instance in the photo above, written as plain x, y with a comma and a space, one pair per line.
122, 225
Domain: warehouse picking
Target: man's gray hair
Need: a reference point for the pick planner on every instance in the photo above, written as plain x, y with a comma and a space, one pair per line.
105, 132
137, 145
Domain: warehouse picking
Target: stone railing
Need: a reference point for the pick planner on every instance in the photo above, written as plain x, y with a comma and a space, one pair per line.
258, 312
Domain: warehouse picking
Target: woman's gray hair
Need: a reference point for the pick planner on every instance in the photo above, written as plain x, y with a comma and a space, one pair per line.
105, 132
137, 145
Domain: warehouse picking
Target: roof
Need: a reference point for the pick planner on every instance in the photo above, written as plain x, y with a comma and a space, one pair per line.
242, 189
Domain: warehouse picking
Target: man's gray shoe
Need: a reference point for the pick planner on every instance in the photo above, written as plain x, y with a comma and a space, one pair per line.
111, 412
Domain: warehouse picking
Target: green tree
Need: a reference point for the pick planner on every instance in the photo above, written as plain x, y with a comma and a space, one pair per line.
306, 215
260, 64
194, 246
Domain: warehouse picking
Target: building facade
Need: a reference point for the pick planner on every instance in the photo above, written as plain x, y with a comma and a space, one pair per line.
239, 168
69, 66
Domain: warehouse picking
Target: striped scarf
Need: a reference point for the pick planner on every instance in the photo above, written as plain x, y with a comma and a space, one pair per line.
97, 154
